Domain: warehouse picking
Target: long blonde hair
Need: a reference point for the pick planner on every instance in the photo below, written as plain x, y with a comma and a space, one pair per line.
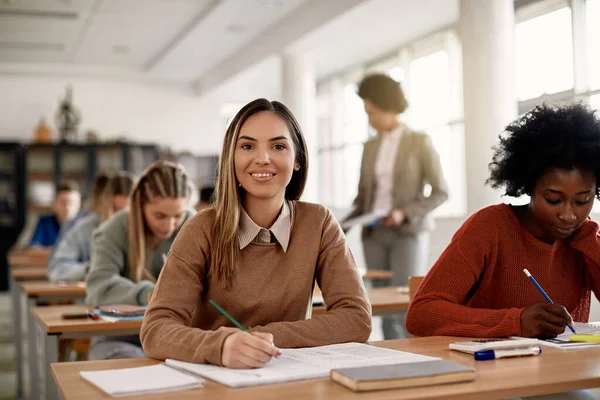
162, 179
98, 186
120, 184
228, 193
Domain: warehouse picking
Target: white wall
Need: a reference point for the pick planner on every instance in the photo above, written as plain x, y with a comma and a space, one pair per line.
140, 111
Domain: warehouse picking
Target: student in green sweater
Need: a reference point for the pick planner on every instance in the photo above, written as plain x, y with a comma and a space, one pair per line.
128, 248
257, 252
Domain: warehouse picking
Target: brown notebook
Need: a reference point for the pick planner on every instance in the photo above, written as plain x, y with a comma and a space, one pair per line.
396, 376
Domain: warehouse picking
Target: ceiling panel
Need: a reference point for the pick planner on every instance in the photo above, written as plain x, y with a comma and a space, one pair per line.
349, 39
129, 33
40, 30
231, 25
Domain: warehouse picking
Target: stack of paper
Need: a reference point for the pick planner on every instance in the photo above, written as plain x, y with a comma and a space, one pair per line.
364, 219
562, 341
305, 363
143, 380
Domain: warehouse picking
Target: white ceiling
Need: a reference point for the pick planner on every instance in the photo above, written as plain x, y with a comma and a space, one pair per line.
366, 32
205, 43
176, 41
375, 28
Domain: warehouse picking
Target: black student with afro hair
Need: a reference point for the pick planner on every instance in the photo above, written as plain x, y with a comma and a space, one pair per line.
477, 288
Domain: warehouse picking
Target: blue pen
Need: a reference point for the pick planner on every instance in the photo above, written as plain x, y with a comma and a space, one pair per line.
505, 353
548, 299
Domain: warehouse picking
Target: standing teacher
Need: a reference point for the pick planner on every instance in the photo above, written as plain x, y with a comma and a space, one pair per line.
396, 166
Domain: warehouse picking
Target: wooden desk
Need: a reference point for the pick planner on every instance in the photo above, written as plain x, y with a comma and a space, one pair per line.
16, 276
553, 371
50, 327
377, 274
32, 293
28, 258
21, 261
30, 274
384, 300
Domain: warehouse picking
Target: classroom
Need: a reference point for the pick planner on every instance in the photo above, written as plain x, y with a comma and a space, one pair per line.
391, 199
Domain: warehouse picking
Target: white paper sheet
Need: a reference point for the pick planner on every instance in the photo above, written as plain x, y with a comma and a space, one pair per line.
562, 341
305, 363
142, 380
364, 219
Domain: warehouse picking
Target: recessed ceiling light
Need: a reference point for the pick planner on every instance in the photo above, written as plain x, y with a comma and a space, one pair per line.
235, 28
120, 49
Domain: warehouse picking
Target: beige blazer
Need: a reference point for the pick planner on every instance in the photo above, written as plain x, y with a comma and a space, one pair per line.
417, 164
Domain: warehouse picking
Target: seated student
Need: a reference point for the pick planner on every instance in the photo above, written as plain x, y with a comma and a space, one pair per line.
98, 185
128, 249
206, 198
66, 206
477, 287
71, 258
264, 277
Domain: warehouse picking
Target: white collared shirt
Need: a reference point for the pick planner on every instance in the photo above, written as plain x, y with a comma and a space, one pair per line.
250, 232
384, 169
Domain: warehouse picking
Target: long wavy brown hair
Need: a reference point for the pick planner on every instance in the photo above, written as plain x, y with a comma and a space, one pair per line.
228, 204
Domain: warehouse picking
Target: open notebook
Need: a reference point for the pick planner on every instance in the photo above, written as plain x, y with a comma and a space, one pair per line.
562, 341
304, 363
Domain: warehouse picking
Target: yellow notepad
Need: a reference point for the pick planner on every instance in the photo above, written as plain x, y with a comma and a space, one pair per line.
585, 338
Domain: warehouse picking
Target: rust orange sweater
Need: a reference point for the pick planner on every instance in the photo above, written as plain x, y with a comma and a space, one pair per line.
477, 287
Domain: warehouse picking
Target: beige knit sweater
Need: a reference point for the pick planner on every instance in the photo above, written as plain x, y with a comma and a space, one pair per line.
271, 291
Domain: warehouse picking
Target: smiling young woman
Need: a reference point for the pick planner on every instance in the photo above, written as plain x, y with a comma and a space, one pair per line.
477, 287
257, 252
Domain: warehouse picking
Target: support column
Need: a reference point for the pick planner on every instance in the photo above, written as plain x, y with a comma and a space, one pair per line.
299, 94
487, 37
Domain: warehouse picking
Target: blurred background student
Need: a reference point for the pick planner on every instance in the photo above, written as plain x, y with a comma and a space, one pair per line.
71, 258
65, 207
396, 165
128, 249
206, 198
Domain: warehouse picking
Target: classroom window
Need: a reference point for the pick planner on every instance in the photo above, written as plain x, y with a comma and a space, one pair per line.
595, 102
544, 52
424, 73
430, 105
343, 128
593, 42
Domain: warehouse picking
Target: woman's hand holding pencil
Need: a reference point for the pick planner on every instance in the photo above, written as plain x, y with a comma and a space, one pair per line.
246, 349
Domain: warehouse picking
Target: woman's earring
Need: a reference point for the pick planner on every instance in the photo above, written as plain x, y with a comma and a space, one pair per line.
297, 167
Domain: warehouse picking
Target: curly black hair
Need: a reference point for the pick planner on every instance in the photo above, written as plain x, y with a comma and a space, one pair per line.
565, 137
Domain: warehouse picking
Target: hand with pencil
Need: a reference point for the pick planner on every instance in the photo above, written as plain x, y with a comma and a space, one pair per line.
245, 349
544, 320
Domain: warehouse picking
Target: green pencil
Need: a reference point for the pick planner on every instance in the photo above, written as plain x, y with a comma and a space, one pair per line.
229, 317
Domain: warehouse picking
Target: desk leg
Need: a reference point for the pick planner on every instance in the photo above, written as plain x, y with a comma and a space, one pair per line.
32, 353
17, 313
49, 352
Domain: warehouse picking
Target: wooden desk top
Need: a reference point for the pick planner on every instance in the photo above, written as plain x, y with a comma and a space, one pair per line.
50, 318
382, 299
553, 371
377, 274
30, 274
28, 258
42, 289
